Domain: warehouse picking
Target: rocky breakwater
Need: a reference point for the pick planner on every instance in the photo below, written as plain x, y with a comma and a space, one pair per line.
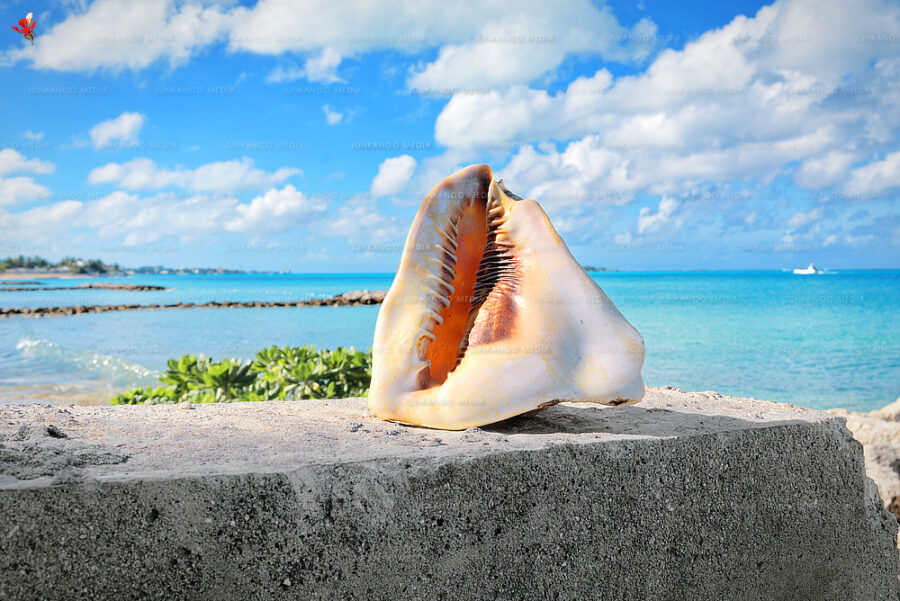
110, 286
90, 286
355, 298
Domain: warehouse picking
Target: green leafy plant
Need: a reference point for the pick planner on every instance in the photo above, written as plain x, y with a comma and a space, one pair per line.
146, 396
277, 373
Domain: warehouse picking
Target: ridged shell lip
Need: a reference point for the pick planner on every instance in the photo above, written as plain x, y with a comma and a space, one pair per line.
469, 275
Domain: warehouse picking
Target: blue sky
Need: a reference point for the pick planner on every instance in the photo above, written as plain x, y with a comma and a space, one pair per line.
263, 135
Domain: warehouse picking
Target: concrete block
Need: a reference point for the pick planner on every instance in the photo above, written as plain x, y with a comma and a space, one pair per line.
684, 496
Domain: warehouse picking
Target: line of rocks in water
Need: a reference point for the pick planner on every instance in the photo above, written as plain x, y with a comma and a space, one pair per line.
91, 286
355, 298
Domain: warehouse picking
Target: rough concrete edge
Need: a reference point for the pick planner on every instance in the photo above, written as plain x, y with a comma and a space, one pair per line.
875, 505
77, 475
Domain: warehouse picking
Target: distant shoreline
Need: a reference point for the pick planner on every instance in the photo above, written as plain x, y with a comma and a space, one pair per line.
5, 275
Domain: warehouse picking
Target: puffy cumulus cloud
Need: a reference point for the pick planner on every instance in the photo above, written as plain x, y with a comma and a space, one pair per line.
361, 224
140, 220
12, 161
123, 34
875, 177
824, 171
274, 211
131, 219
123, 215
320, 68
521, 45
831, 224
583, 172
332, 117
804, 218
393, 175
649, 222
22, 188
323, 67
480, 43
802, 82
40, 223
221, 176
589, 171
124, 129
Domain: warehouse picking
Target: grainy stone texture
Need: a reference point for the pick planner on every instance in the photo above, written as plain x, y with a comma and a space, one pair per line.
879, 433
684, 496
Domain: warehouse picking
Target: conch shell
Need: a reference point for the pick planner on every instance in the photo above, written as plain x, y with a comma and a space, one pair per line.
490, 316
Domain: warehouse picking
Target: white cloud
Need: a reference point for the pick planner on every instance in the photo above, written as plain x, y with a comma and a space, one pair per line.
512, 42
319, 68
14, 190
360, 222
12, 161
649, 222
274, 211
34, 136
323, 67
124, 130
122, 34
795, 83
20, 189
821, 172
138, 220
393, 175
40, 223
285, 73
522, 44
331, 116
222, 176
859, 240
876, 177
802, 219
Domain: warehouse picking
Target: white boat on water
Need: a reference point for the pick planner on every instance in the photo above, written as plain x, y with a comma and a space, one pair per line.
812, 269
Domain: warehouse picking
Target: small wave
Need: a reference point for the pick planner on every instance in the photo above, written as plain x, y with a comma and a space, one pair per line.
113, 369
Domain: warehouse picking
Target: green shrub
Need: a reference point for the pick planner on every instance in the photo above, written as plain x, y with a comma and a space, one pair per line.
276, 374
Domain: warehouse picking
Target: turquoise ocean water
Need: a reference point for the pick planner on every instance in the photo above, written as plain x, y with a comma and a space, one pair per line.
828, 340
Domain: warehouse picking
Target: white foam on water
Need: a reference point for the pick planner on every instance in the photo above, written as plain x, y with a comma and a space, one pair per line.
46, 370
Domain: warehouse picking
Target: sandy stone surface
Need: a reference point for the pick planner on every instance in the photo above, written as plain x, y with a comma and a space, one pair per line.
44, 444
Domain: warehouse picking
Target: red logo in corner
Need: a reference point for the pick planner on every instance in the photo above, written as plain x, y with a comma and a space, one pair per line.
27, 26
